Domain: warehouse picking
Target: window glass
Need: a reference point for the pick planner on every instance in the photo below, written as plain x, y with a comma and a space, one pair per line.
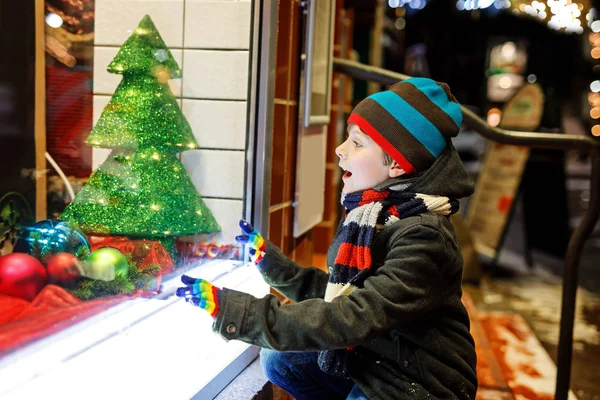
116, 209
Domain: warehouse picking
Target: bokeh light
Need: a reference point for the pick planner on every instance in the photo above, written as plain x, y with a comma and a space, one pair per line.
493, 117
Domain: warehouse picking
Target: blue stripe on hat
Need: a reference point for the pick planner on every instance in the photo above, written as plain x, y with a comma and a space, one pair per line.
439, 97
419, 126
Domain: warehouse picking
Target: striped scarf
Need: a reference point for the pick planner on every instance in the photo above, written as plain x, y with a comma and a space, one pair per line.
365, 212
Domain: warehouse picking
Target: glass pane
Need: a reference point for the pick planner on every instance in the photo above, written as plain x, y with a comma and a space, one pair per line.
119, 216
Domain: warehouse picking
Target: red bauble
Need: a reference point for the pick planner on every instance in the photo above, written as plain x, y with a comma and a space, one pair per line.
64, 269
21, 275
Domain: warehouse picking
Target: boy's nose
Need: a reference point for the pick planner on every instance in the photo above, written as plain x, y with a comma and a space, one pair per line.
340, 152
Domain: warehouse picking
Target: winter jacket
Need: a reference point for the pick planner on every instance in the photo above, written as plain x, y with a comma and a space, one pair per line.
407, 327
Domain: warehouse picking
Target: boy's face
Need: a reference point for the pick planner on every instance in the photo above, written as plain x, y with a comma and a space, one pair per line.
362, 161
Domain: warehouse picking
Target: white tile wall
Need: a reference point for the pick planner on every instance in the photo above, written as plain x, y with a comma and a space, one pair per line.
100, 101
217, 24
211, 74
116, 20
228, 214
216, 173
106, 83
213, 54
217, 124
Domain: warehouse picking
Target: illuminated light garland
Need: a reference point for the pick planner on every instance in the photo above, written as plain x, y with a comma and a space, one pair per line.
594, 96
565, 15
414, 4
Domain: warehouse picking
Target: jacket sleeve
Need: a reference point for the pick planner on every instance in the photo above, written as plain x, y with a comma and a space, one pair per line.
403, 288
295, 282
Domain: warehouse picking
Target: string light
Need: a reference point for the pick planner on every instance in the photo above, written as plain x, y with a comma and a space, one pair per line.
565, 15
481, 4
493, 117
414, 4
594, 96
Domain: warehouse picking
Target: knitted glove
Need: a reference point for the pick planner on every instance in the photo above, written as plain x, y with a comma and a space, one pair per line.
201, 293
258, 245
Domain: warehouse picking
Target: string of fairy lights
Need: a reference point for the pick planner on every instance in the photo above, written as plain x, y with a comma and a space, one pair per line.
567, 16
594, 94
561, 15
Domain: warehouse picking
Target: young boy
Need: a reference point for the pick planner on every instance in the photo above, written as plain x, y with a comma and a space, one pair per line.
387, 321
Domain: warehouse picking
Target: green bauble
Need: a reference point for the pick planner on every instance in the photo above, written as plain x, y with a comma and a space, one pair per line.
105, 259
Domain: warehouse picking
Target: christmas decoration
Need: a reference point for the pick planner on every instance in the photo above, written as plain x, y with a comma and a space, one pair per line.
142, 252
105, 264
15, 213
50, 237
64, 269
21, 275
137, 279
142, 189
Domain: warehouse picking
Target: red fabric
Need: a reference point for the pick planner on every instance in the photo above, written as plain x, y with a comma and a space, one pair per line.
52, 310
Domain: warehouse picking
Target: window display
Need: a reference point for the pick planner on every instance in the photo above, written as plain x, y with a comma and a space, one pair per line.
120, 233
130, 177
142, 189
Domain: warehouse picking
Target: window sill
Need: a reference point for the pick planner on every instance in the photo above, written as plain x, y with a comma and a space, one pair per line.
144, 348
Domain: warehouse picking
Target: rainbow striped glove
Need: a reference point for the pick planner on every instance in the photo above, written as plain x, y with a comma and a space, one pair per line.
201, 293
257, 244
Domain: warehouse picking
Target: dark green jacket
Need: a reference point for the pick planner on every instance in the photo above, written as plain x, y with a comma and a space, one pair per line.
408, 326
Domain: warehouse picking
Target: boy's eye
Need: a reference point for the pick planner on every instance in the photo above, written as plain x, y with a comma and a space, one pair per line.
357, 143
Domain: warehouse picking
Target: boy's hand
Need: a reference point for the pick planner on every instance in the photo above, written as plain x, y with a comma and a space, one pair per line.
258, 245
201, 293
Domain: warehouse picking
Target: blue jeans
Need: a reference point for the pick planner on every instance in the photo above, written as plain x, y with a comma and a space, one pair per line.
299, 374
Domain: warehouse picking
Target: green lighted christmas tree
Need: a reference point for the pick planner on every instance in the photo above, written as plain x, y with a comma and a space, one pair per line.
142, 189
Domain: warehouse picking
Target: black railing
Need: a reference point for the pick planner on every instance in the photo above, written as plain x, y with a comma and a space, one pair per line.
536, 140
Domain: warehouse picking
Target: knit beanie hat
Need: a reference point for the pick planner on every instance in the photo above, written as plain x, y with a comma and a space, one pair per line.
411, 121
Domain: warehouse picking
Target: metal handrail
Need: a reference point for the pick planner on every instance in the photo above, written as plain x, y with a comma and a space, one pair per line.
536, 140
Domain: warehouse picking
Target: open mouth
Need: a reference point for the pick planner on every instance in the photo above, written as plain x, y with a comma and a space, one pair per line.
347, 174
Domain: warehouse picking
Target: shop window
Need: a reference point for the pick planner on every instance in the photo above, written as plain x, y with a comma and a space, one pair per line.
143, 177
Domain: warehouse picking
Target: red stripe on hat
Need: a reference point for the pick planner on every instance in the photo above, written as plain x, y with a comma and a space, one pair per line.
367, 128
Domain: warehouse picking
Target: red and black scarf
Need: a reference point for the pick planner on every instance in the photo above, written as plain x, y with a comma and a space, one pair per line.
367, 211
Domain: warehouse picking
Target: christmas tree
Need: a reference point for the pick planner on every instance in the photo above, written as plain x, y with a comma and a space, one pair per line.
142, 189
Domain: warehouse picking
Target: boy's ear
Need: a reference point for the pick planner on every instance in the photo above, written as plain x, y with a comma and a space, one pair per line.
395, 170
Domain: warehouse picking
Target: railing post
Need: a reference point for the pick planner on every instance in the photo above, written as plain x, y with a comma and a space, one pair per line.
570, 280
